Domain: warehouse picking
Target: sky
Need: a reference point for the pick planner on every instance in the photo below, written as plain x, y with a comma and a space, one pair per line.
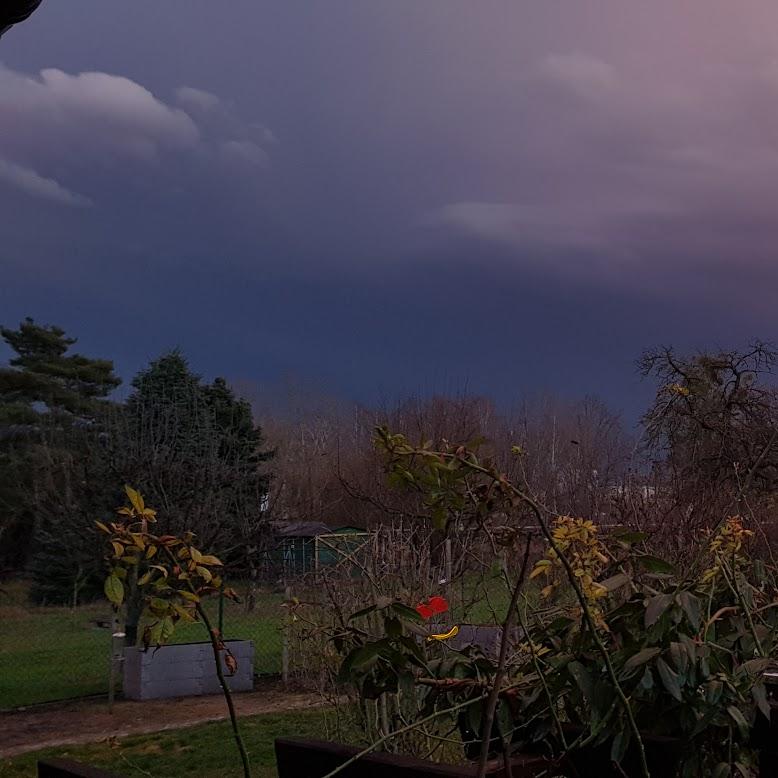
396, 196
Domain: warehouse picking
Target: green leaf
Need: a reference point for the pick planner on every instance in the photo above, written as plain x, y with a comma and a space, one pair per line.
713, 692
168, 628
692, 607
655, 607
361, 613
740, 721
759, 693
583, 679
669, 679
393, 627
679, 656
158, 606
656, 565
366, 656
627, 537
642, 656
620, 745
114, 589
407, 613
615, 582
155, 633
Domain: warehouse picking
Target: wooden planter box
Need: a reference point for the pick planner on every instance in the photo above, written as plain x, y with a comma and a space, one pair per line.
296, 757
64, 768
663, 755
184, 670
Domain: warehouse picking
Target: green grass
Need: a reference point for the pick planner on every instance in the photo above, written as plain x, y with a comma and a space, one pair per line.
55, 653
205, 751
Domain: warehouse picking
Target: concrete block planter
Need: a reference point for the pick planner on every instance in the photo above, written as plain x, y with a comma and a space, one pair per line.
184, 670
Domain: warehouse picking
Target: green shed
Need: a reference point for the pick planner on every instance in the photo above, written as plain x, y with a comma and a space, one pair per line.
307, 545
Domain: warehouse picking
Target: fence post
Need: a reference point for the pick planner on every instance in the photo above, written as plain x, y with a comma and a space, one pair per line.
221, 609
117, 656
285, 637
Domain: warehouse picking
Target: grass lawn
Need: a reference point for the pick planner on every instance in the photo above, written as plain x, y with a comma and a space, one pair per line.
56, 653
204, 751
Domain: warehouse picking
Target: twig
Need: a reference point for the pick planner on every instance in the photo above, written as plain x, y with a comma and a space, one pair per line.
372, 747
494, 693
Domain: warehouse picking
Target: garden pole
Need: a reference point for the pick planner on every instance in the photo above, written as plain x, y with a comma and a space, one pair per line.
221, 609
285, 643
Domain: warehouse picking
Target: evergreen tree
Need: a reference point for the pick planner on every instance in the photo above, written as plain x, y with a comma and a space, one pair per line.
194, 451
52, 406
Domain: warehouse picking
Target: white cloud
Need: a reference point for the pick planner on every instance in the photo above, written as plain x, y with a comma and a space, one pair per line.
57, 127
36, 185
197, 98
96, 111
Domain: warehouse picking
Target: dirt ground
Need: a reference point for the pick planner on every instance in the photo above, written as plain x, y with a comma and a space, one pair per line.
88, 721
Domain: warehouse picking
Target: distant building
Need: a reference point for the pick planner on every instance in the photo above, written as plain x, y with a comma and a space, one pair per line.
304, 546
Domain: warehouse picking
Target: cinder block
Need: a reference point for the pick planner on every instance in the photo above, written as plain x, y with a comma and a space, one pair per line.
184, 670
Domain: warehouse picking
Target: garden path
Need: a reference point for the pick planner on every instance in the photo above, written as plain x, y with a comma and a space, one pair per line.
88, 721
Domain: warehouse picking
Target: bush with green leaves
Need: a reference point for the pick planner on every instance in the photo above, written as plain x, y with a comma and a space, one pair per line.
617, 646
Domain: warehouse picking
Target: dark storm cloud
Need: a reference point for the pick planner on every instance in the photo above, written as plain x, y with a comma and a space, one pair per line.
337, 187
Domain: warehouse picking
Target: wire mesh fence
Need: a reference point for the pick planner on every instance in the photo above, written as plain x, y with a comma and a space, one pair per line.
53, 653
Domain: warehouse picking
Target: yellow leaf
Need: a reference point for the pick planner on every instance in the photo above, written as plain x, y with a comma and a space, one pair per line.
204, 573
135, 498
150, 551
541, 568
189, 595
207, 559
102, 527
184, 613
445, 635
195, 554
138, 540
118, 548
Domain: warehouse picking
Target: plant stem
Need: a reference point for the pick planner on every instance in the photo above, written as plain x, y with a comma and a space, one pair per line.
244, 757
372, 747
494, 692
603, 651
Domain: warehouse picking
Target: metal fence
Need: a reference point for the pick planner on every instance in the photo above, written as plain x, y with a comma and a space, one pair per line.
52, 653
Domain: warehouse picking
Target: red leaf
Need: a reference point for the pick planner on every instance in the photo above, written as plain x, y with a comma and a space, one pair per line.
438, 604
424, 610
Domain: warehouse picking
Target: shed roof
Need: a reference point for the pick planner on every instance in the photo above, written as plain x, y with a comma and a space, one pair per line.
303, 529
